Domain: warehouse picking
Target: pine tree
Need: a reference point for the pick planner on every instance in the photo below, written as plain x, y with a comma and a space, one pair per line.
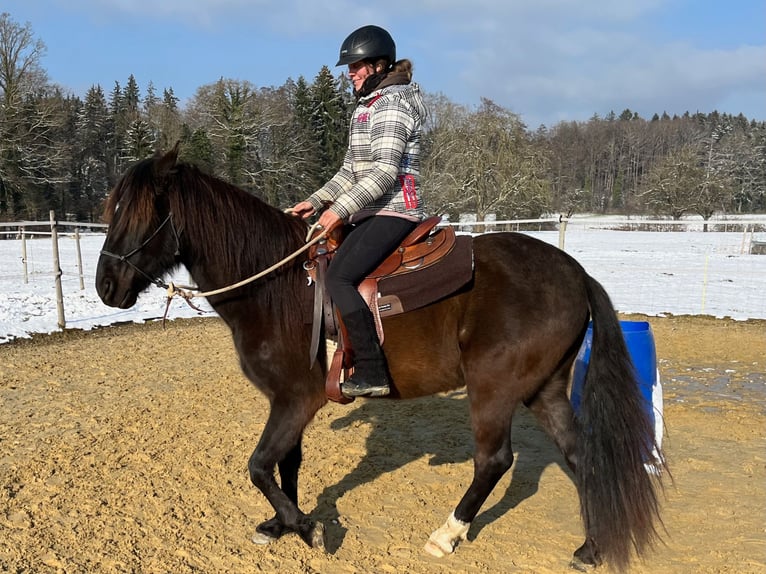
118, 123
93, 136
329, 122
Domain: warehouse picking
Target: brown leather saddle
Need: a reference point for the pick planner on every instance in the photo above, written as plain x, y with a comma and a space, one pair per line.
429, 264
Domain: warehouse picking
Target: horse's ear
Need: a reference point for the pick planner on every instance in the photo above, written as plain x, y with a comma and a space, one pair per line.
167, 162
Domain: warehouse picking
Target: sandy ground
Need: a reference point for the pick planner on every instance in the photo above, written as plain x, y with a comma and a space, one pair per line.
125, 450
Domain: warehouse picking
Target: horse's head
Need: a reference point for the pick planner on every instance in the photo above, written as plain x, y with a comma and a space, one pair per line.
142, 243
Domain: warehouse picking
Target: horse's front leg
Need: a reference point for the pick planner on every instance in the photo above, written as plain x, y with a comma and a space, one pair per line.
273, 528
280, 445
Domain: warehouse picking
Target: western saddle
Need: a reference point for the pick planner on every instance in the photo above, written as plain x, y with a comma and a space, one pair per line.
425, 248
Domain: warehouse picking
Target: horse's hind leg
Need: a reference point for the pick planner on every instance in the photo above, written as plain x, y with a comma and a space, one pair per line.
491, 420
554, 412
552, 408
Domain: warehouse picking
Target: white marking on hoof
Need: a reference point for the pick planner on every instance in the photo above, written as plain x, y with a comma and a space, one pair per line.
445, 539
262, 539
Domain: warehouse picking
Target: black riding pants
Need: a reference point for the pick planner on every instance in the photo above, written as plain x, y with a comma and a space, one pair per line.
368, 244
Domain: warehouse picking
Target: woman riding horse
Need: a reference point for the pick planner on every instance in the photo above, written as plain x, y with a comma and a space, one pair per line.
376, 190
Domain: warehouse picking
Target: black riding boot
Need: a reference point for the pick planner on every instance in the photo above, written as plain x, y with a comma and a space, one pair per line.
370, 378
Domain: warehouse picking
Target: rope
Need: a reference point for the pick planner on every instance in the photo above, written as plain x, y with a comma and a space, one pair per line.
186, 291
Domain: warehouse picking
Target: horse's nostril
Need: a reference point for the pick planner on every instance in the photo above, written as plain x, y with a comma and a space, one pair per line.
104, 288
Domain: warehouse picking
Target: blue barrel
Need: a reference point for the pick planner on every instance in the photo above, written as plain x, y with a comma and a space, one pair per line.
640, 341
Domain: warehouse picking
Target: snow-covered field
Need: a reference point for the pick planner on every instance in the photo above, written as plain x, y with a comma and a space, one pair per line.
654, 273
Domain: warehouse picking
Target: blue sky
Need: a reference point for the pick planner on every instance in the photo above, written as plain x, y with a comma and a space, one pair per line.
546, 60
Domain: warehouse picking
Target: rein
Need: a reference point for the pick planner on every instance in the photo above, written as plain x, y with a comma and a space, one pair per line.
187, 292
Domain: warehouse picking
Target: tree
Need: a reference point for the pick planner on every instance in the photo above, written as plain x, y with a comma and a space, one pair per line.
167, 119
20, 76
716, 189
198, 150
310, 167
329, 122
93, 129
288, 154
20, 55
236, 119
139, 141
566, 146
673, 184
485, 162
118, 121
44, 151
749, 171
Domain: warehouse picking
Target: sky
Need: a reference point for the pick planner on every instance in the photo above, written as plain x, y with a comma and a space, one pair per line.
650, 273
545, 60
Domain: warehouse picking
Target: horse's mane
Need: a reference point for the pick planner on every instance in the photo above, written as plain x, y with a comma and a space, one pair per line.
228, 228
132, 193
248, 231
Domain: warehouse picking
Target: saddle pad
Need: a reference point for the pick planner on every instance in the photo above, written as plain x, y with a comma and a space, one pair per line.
408, 291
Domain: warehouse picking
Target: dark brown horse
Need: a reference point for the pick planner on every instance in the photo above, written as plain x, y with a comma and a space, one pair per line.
510, 337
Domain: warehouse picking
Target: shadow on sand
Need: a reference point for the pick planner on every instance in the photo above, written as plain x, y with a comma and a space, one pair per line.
439, 427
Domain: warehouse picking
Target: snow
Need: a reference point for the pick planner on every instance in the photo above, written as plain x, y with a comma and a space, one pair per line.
652, 273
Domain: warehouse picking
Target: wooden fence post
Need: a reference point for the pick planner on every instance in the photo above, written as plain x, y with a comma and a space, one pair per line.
24, 253
79, 257
562, 231
57, 271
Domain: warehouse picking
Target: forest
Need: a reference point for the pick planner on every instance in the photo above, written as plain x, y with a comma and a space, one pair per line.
64, 152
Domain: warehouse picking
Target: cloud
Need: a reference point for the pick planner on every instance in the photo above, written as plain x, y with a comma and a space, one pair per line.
291, 17
607, 58
545, 59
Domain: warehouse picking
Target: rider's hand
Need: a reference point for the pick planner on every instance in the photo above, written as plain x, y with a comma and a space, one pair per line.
329, 220
303, 209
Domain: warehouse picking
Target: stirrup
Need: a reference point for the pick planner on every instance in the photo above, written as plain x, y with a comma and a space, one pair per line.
352, 389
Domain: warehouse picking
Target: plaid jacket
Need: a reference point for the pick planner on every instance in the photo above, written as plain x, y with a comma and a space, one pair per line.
381, 168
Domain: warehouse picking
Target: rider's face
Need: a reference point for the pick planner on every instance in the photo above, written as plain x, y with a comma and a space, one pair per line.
358, 72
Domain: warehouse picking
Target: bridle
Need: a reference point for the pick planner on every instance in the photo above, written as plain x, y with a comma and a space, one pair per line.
188, 293
126, 258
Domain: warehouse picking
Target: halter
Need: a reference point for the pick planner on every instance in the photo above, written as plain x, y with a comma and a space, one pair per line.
126, 258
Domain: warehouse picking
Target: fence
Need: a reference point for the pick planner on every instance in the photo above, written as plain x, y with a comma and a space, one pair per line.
25, 230
663, 266
685, 273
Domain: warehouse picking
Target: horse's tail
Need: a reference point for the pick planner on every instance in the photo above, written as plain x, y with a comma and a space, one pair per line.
618, 498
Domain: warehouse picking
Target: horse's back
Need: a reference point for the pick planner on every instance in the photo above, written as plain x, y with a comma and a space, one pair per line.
526, 297
522, 271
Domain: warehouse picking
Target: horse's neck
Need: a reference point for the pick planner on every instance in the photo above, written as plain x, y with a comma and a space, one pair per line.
263, 299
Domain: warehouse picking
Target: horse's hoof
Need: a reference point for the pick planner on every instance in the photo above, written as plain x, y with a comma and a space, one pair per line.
444, 539
262, 539
586, 558
316, 536
268, 531
580, 566
436, 550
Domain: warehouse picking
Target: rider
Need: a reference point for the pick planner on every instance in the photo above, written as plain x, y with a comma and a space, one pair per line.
376, 191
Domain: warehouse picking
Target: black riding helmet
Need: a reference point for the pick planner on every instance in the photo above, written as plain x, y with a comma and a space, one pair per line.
368, 42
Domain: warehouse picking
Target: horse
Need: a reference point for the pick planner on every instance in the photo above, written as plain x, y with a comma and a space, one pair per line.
509, 337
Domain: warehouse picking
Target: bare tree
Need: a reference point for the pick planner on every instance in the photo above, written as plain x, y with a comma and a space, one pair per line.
716, 190
485, 162
34, 156
673, 185
20, 55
